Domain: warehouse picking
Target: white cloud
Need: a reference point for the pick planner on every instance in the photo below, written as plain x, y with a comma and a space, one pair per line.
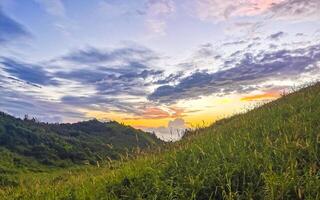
173, 132
220, 10
157, 13
53, 7
160, 7
156, 26
112, 9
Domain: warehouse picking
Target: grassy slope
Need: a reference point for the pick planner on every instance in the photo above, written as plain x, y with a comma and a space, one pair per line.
271, 152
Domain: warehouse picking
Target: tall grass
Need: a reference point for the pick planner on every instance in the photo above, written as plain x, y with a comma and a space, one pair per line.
271, 152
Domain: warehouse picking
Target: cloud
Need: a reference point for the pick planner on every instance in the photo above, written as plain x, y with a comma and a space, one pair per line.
103, 103
250, 28
160, 7
157, 13
114, 9
157, 26
108, 83
26, 72
114, 95
120, 78
122, 71
173, 132
11, 30
296, 10
276, 36
173, 77
205, 50
234, 43
152, 112
53, 7
115, 80
250, 71
125, 55
300, 34
259, 97
219, 10
248, 17
20, 103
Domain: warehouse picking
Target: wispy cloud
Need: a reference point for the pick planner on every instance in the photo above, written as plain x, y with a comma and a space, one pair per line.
26, 72
130, 54
299, 10
11, 30
157, 13
259, 97
53, 7
276, 36
250, 16
218, 10
153, 112
279, 9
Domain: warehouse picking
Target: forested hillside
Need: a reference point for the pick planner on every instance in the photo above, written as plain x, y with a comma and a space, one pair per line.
28, 144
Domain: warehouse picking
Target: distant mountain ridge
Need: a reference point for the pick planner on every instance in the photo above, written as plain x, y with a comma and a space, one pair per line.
27, 143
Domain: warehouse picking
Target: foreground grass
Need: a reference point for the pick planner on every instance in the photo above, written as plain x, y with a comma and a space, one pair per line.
272, 152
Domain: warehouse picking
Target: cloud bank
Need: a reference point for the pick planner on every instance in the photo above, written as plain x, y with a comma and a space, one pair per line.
245, 76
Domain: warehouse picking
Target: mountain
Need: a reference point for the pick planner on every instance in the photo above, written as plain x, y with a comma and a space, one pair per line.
271, 152
28, 143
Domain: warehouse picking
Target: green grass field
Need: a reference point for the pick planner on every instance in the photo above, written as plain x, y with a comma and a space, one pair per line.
271, 152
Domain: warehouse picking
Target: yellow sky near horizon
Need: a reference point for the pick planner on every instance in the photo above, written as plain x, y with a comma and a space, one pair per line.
196, 112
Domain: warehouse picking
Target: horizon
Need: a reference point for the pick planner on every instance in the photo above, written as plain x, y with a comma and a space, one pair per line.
156, 65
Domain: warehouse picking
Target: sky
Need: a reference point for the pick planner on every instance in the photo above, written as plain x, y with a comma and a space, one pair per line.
158, 65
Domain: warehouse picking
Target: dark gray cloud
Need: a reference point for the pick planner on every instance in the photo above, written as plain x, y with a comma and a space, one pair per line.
113, 72
205, 50
110, 89
113, 82
103, 103
236, 53
10, 29
135, 56
122, 71
239, 42
130, 76
273, 46
296, 10
29, 73
276, 36
125, 84
244, 76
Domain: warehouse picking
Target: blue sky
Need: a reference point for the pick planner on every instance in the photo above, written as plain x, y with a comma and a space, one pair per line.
159, 65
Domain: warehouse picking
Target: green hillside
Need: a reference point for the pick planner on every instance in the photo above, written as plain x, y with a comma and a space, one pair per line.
272, 152
34, 146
